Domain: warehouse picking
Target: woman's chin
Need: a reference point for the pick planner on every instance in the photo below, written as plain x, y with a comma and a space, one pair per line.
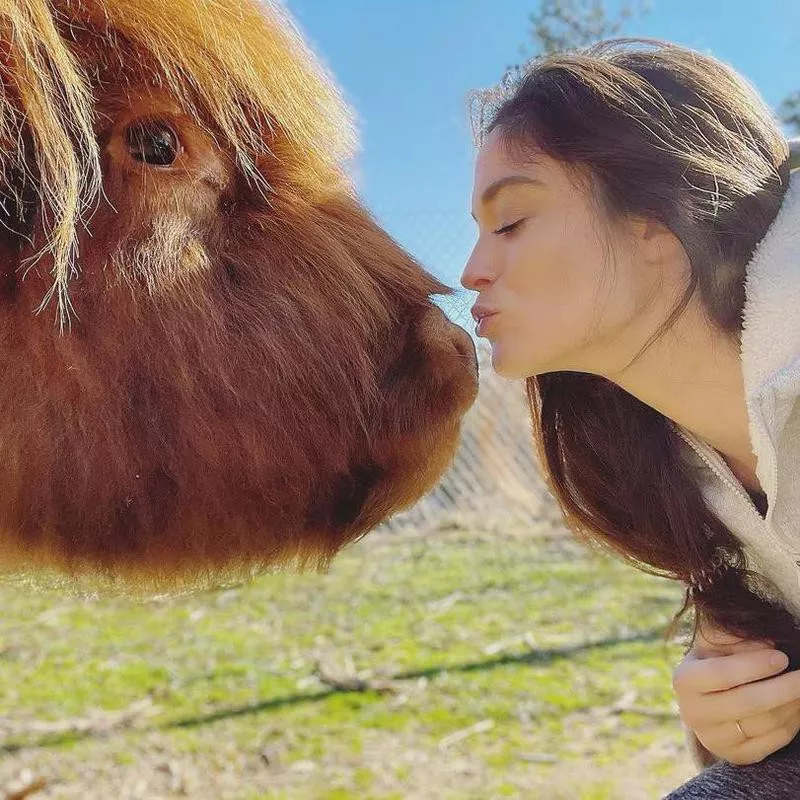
506, 366
519, 364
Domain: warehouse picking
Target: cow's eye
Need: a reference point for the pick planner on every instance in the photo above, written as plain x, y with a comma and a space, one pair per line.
153, 142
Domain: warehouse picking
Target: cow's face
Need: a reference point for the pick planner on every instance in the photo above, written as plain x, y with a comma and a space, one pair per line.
253, 371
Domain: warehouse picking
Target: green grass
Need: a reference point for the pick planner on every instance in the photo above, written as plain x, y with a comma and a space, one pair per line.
533, 637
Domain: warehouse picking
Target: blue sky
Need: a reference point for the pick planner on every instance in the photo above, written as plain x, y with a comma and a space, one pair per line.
407, 67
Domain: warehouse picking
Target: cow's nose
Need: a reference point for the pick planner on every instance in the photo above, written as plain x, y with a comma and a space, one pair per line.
439, 331
463, 342
456, 356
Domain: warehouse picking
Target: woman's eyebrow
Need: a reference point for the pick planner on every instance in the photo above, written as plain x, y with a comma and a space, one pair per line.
493, 189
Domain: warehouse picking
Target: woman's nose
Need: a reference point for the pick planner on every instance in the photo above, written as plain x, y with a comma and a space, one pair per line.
476, 273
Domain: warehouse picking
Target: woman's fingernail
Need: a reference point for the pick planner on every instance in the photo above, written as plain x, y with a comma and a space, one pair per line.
779, 660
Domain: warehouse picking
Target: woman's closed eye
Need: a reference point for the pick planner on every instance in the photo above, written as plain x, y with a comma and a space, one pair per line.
508, 228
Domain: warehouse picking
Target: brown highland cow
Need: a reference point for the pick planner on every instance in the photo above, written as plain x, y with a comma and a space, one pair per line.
212, 358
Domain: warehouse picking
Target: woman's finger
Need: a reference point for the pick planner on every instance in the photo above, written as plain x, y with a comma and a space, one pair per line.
717, 674
748, 700
726, 735
757, 749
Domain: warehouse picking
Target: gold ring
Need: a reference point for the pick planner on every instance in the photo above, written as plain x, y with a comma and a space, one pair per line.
738, 725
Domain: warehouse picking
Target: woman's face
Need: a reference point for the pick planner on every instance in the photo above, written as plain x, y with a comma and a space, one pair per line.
559, 286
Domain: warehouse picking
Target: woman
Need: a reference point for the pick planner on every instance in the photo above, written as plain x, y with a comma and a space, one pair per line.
638, 263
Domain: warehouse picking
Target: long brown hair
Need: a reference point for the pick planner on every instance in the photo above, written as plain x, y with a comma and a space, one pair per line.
668, 134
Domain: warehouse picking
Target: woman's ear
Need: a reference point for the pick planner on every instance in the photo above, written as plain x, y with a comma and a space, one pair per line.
655, 242
49, 157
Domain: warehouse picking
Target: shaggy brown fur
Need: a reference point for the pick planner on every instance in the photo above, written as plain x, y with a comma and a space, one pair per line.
249, 369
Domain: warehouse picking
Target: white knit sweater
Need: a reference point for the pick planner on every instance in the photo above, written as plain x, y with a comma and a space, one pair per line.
771, 367
770, 352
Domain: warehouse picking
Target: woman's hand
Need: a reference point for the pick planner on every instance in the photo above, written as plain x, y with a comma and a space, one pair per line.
722, 680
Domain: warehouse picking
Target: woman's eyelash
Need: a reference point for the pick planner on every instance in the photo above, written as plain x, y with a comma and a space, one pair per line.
508, 228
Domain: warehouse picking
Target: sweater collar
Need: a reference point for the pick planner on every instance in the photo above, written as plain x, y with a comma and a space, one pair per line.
770, 341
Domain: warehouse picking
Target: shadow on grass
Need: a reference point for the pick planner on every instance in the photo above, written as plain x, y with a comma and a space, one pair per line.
530, 657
